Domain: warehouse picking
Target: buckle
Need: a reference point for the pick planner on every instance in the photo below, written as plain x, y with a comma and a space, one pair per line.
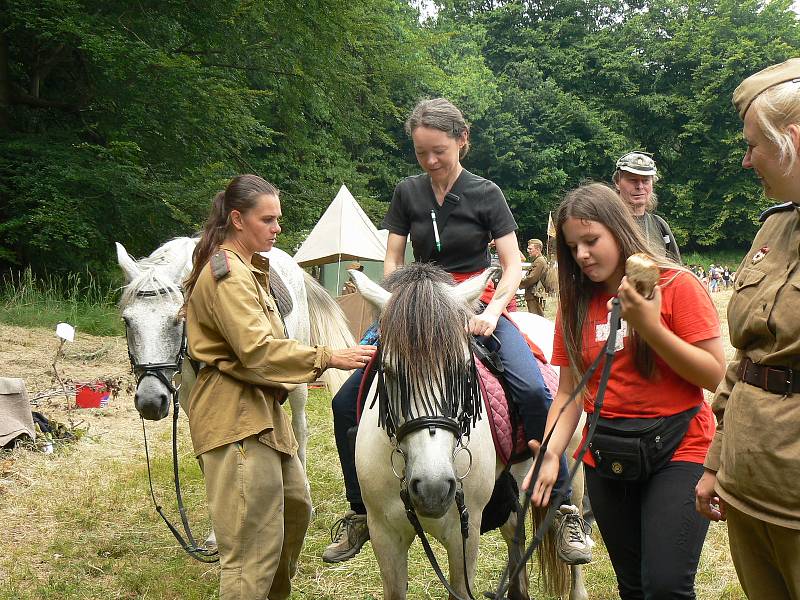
787, 379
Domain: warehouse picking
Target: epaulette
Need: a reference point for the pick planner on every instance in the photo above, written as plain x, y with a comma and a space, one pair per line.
775, 209
220, 265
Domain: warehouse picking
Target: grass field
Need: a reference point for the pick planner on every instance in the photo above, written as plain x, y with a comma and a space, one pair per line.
79, 523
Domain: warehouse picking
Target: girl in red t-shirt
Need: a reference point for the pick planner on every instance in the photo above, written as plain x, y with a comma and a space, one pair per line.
668, 349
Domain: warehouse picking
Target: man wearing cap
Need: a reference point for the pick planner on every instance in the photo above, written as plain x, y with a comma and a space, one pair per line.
530, 283
634, 178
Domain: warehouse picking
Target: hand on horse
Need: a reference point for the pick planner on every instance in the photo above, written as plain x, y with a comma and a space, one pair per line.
707, 502
483, 324
641, 313
356, 357
543, 486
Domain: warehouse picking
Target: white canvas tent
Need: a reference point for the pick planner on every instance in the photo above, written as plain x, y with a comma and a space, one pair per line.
344, 232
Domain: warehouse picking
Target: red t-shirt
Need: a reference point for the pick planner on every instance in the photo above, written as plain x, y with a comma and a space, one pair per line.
687, 310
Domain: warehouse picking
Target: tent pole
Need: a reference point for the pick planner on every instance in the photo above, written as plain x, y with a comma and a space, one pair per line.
338, 275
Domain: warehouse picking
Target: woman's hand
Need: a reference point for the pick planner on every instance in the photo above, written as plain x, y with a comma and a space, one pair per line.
347, 359
548, 474
707, 502
640, 313
483, 324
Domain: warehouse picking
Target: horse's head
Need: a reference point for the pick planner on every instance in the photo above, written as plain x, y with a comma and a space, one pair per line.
427, 387
151, 301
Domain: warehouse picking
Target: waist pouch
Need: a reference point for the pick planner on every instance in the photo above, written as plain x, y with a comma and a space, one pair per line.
633, 449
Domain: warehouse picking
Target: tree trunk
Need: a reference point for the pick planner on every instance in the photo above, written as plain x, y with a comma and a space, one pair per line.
5, 86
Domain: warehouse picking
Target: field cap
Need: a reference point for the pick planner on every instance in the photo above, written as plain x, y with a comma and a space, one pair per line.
750, 88
640, 163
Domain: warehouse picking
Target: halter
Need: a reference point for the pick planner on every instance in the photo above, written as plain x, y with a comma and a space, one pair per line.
158, 370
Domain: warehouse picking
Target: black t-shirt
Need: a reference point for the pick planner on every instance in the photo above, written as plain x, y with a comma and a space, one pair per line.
474, 212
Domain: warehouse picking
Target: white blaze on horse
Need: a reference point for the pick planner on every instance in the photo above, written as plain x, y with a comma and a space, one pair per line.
425, 436
150, 305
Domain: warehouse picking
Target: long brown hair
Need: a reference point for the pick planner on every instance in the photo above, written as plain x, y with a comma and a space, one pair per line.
242, 194
596, 202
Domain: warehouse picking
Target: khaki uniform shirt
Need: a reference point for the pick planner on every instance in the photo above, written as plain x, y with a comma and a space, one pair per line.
530, 283
756, 450
233, 326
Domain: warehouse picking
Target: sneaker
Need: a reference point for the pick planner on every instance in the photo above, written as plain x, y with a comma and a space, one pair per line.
573, 536
348, 534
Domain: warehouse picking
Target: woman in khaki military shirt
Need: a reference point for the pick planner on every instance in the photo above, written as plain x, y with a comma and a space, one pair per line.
752, 474
258, 500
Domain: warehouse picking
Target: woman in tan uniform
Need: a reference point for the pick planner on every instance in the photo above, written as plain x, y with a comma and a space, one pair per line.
259, 504
752, 474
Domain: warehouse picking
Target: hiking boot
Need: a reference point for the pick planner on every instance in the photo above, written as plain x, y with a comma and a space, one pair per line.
573, 536
348, 534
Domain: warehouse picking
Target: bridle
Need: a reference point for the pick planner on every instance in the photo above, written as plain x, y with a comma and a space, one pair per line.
173, 384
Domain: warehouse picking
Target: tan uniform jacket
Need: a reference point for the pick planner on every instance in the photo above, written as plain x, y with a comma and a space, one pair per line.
233, 326
756, 450
534, 276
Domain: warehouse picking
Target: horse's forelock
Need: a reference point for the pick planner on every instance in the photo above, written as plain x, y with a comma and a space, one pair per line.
153, 275
423, 324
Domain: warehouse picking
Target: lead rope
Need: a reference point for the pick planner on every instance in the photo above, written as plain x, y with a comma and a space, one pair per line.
607, 355
189, 545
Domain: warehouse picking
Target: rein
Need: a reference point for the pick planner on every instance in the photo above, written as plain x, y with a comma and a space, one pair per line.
158, 370
606, 356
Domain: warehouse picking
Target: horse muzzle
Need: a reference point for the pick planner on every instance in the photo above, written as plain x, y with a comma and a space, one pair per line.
152, 399
432, 497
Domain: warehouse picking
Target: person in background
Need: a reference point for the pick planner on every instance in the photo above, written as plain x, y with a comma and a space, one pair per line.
753, 465
634, 178
532, 282
668, 350
257, 493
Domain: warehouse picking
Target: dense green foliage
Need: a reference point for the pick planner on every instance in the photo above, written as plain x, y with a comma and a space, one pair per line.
119, 120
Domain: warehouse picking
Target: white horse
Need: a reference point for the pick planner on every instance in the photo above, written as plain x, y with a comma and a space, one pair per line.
153, 295
425, 374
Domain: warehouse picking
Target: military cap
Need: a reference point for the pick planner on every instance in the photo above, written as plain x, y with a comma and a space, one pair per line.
750, 88
639, 163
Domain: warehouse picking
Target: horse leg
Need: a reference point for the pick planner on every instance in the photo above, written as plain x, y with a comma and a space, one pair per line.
391, 549
297, 400
518, 587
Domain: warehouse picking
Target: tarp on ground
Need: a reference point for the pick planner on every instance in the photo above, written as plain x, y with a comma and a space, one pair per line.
343, 233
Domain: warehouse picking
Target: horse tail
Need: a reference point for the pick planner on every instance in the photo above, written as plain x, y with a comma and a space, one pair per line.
554, 574
328, 327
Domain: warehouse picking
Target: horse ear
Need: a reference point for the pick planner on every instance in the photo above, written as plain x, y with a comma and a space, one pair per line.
128, 265
471, 289
372, 292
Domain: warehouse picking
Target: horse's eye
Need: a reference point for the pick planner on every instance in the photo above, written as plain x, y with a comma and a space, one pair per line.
127, 321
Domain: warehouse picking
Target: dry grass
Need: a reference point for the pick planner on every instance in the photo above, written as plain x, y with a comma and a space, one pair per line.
79, 523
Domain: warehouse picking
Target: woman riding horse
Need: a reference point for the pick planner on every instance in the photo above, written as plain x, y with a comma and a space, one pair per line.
451, 216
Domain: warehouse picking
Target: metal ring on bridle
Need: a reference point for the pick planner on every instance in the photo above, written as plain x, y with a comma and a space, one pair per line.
469, 467
398, 450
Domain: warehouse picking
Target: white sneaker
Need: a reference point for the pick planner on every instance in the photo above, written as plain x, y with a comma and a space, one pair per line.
573, 536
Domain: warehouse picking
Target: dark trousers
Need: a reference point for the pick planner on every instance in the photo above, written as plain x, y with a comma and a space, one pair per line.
528, 391
652, 531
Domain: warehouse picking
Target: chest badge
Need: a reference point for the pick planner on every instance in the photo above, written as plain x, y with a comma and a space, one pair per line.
759, 256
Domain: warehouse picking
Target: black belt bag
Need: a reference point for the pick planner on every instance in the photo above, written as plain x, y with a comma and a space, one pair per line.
633, 449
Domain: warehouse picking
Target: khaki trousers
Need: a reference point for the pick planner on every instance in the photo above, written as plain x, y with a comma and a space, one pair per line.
534, 306
766, 557
260, 509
